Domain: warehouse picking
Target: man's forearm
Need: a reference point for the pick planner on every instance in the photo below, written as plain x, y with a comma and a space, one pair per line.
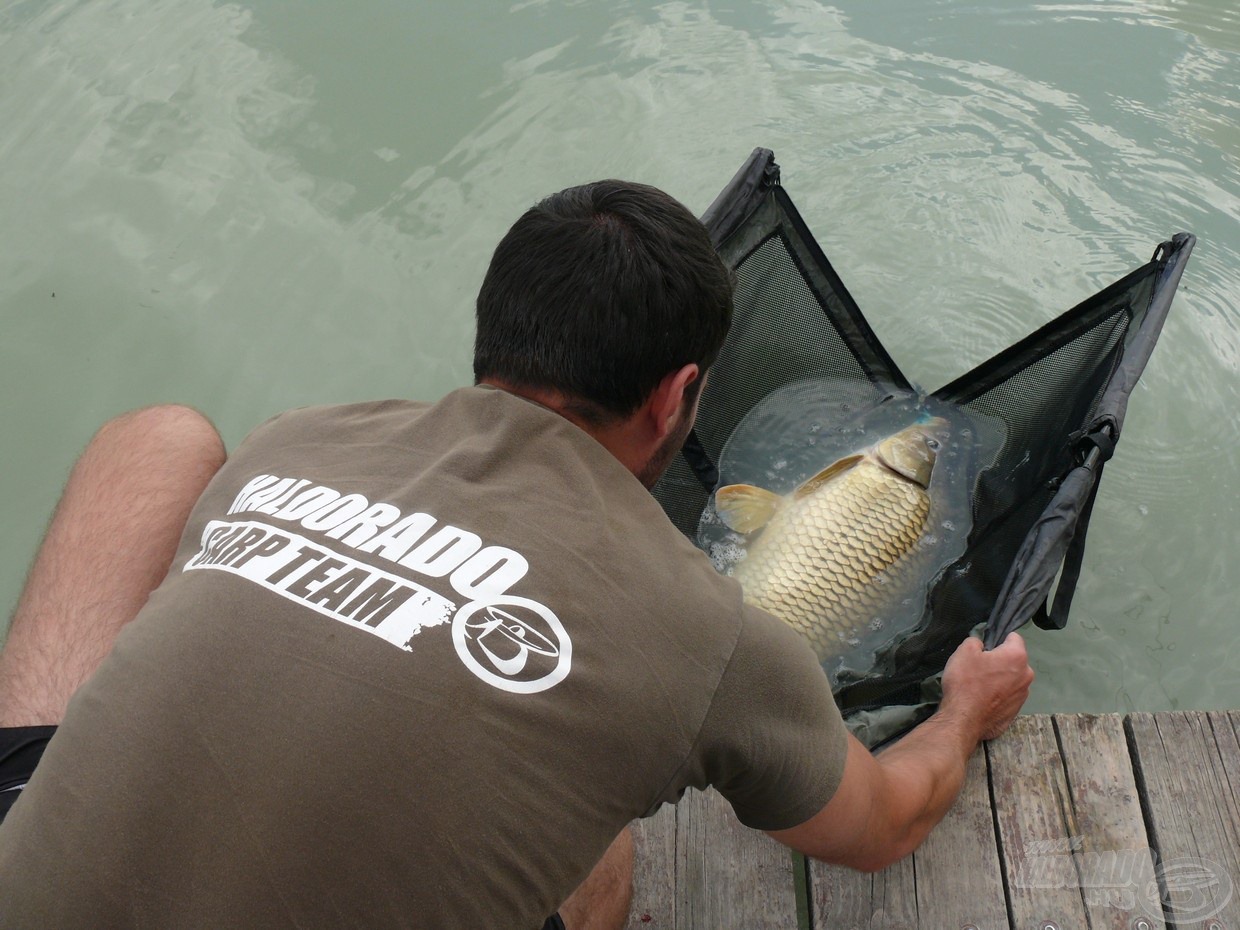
885, 805
924, 772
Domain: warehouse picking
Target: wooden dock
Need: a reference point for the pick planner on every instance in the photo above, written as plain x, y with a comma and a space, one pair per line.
1069, 822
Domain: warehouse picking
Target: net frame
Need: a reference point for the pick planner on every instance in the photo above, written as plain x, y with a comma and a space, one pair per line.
1061, 392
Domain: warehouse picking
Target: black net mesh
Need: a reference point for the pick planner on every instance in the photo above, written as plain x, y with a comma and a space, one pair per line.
1046, 390
795, 320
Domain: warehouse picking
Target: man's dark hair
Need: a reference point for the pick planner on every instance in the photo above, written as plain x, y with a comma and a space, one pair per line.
599, 292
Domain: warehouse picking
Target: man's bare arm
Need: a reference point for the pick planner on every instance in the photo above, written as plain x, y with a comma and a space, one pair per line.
887, 804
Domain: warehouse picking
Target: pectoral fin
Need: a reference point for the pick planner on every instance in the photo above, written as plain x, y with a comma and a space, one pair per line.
745, 508
831, 471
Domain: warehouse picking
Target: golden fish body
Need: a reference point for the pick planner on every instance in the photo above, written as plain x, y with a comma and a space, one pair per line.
829, 551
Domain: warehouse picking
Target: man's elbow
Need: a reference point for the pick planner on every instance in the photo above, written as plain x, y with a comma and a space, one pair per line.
885, 857
871, 863
874, 857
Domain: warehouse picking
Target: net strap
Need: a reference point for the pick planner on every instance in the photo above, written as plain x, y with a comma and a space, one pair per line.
1057, 617
1097, 445
1056, 542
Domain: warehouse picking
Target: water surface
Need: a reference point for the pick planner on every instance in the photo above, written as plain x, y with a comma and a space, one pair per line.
251, 206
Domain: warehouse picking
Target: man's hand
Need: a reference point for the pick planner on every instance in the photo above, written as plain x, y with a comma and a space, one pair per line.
983, 691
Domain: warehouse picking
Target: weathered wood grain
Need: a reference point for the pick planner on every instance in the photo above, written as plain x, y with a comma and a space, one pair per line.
953, 880
895, 897
654, 872
1189, 784
844, 899
1079, 801
728, 875
959, 879
1113, 859
853, 900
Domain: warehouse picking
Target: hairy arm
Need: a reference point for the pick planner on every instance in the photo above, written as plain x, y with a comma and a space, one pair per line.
887, 804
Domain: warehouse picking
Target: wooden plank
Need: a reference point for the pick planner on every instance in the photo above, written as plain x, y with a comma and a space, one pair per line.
1189, 796
1037, 826
1072, 798
845, 899
654, 872
895, 897
953, 880
1226, 727
728, 875
842, 898
1113, 859
959, 878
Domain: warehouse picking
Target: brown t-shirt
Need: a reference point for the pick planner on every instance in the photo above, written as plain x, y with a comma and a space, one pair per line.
413, 666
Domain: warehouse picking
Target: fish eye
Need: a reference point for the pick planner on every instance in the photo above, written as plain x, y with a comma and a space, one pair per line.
933, 444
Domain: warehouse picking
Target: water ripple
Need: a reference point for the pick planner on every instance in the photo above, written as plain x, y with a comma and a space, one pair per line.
265, 186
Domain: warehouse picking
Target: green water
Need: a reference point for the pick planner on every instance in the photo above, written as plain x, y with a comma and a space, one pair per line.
252, 206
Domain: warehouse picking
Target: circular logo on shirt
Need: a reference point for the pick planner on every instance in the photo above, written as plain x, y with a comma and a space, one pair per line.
515, 644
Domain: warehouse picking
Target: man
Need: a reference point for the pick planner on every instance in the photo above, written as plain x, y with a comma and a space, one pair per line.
419, 665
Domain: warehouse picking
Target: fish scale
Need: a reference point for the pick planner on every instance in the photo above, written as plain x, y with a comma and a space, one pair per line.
819, 563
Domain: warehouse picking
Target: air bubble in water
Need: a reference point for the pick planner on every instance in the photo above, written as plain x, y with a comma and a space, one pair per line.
725, 555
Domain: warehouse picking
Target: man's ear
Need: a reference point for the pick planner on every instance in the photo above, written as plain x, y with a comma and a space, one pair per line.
667, 401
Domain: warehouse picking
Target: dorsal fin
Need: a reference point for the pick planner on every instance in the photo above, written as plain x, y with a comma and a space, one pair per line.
745, 508
810, 485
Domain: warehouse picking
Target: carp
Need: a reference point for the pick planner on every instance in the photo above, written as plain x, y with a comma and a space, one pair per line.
829, 551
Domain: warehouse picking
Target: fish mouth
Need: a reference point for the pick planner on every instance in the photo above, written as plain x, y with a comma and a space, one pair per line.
913, 451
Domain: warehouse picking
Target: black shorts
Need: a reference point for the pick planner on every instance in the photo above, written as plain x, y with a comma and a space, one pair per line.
21, 748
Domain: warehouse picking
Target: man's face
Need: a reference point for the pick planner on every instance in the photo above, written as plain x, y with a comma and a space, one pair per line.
657, 463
